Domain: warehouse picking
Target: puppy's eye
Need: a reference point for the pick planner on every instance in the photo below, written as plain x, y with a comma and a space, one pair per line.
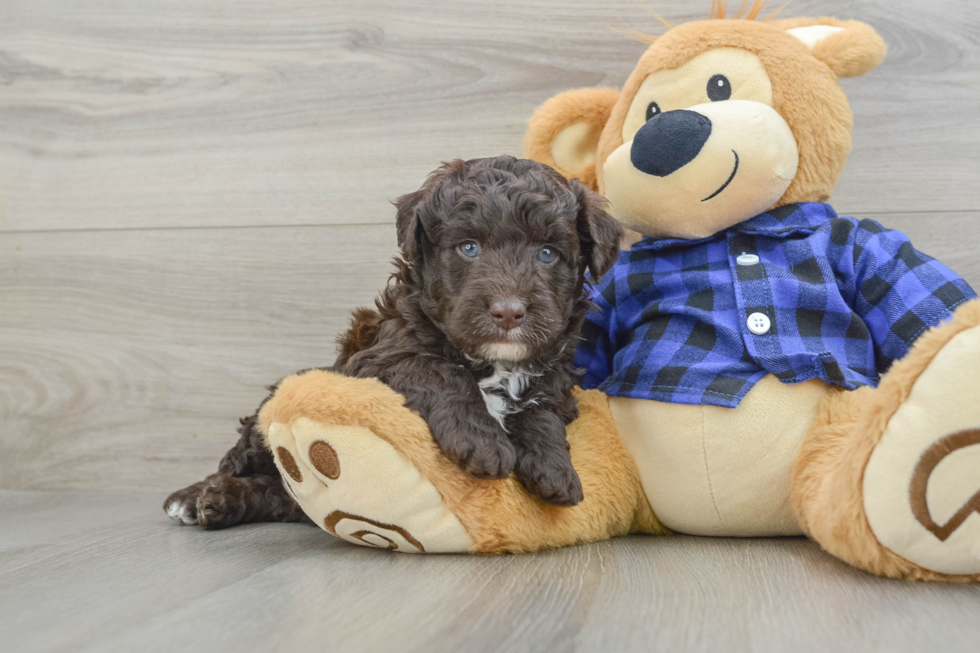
653, 109
548, 255
719, 88
469, 249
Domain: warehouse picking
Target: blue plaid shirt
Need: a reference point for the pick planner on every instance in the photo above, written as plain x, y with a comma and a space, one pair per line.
843, 297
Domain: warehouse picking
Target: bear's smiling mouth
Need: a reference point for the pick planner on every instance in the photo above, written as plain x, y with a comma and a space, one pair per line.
730, 177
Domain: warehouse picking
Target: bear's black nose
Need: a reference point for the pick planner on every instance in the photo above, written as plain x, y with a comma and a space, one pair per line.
669, 141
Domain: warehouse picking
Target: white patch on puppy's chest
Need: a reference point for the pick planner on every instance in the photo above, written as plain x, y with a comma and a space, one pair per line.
502, 391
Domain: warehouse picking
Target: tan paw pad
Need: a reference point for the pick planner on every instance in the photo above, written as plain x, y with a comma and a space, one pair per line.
357, 487
922, 481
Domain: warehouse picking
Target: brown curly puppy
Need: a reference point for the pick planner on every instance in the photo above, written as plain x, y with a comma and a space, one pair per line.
477, 330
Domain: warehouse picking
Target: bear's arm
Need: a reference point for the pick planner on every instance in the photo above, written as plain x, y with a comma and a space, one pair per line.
897, 291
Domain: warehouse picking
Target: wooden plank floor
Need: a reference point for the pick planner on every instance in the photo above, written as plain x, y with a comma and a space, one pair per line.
109, 572
193, 195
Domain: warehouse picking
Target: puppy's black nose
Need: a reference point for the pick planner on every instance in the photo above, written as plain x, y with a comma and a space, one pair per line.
507, 314
669, 141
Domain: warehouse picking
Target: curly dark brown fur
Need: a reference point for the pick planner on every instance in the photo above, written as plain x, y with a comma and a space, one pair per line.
433, 337
363, 330
247, 488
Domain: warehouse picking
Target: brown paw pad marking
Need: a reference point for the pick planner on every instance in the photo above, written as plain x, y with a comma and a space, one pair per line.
371, 532
920, 483
289, 464
325, 459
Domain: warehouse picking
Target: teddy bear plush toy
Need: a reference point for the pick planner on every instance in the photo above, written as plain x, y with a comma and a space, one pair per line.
759, 365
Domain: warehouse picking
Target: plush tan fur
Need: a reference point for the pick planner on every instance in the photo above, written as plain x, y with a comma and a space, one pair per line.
854, 52
499, 515
736, 479
588, 105
828, 490
805, 93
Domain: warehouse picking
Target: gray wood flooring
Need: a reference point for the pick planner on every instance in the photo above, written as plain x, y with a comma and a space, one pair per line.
106, 572
193, 195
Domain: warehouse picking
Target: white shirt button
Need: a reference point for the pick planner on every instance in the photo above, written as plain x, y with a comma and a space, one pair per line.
747, 259
759, 324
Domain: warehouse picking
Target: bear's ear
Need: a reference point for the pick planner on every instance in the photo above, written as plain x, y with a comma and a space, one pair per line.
849, 48
564, 131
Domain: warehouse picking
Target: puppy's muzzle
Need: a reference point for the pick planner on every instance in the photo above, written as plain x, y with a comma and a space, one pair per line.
508, 314
668, 142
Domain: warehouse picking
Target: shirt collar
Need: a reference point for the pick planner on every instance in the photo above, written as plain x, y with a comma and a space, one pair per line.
781, 222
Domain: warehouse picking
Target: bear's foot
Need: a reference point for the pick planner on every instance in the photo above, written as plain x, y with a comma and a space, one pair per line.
357, 487
366, 469
922, 481
888, 479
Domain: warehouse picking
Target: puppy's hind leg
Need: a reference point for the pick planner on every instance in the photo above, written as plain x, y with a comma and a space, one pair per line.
229, 500
181, 506
247, 488
220, 501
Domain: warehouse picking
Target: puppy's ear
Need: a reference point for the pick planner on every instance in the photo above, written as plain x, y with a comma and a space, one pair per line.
408, 226
417, 209
598, 232
564, 132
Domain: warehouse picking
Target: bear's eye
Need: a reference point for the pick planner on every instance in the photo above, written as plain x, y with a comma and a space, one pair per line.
547, 255
470, 249
653, 109
719, 88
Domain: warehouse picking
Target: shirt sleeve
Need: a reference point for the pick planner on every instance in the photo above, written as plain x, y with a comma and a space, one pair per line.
898, 291
595, 351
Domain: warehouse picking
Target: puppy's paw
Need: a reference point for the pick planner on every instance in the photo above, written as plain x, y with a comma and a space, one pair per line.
483, 453
491, 460
222, 503
551, 479
181, 506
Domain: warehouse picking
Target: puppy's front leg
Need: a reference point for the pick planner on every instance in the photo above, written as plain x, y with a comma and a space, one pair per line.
449, 400
544, 466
